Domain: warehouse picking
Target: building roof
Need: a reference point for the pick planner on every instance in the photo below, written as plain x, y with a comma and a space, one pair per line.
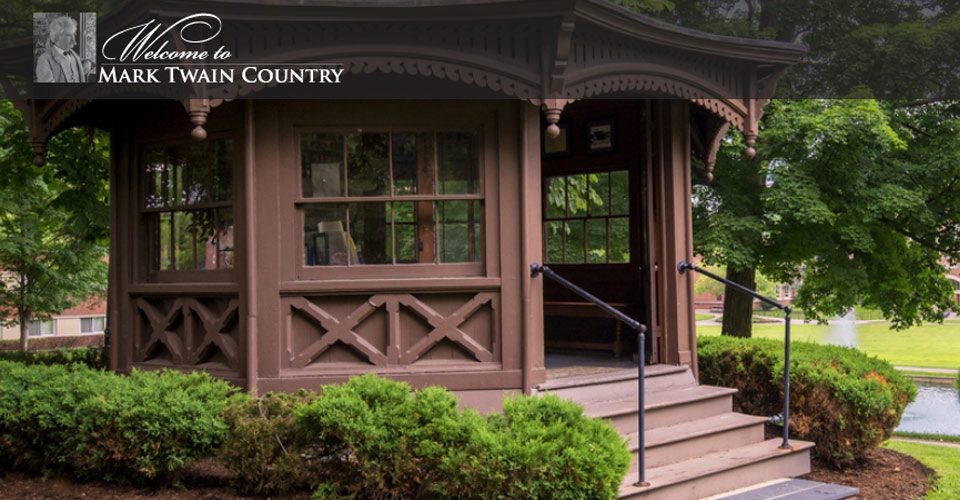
536, 50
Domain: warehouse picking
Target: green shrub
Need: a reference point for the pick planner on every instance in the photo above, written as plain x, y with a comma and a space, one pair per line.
374, 438
94, 357
261, 448
541, 447
842, 399
92, 424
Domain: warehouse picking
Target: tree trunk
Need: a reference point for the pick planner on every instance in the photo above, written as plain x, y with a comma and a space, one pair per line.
738, 306
24, 331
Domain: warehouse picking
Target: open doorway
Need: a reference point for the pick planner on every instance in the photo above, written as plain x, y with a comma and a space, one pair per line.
595, 233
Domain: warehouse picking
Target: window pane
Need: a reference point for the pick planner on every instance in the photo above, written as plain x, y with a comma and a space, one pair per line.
188, 175
574, 229
195, 240
458, 225
40, 327
160, 180
163, 224
577, 195
458, 158
321, 165
620, 192
597, 241
325, 236
206, 171
599, 193
412, 163
620, 240
554, 238
91, 325
369, 227
405, 228
556, 197
367, 167
220, 241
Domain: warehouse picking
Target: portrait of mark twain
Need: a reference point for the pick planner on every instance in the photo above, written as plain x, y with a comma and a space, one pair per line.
60, 63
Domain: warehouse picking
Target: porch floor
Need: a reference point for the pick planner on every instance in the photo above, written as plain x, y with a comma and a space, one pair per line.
563, 364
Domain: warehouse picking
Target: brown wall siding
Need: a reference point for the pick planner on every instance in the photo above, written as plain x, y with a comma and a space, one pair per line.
421, 323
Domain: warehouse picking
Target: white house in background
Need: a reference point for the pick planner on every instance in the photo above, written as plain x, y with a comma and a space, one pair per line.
87, 318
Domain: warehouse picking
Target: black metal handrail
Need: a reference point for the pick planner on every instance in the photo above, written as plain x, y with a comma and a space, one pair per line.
536, 270
683, 266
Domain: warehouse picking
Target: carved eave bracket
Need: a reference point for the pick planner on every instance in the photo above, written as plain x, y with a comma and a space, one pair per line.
707, 132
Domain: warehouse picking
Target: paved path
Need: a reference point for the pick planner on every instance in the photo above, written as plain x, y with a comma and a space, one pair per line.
947, 444
945, 371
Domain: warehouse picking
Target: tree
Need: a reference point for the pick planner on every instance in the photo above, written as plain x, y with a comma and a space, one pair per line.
53, 221
836, 191
860, 196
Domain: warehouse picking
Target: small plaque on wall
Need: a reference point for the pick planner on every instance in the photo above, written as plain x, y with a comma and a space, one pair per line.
601, 136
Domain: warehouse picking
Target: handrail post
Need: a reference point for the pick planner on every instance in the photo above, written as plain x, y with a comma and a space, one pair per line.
641, 423
786, 380
536, 270
684, 266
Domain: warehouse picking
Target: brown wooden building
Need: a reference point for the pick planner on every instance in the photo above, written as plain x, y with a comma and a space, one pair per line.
284, 243
305, 241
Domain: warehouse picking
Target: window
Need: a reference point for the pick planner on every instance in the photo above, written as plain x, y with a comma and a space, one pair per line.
92, 325
188, 206
587, 218
371, 197
37, 328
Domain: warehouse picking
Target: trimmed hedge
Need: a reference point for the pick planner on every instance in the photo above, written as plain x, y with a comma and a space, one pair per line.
376, 438
840, 398
92, 424
261, 448
93, 357
55, 342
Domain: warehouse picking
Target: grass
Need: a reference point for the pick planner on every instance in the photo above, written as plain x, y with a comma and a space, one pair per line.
928, 436
944, 460
927, 346
704, 316
915, 373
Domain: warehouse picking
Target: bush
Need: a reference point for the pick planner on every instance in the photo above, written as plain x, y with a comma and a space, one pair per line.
93, 357
374, 438
842, 399
55, 342
542, 447
261, 448
92, 424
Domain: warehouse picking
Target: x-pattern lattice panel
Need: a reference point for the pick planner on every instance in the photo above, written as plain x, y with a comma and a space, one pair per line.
189, 330
402, 346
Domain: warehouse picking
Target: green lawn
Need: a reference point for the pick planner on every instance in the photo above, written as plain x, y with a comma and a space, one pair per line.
944, 460
704, 316
929, 346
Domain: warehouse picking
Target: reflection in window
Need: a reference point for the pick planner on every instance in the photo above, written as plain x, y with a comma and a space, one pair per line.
368, 221
188, 206
587, 218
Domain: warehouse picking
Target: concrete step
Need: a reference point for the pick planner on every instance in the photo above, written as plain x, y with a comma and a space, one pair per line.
676, 443
721, 471
664, 408
619, 384
791, 489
